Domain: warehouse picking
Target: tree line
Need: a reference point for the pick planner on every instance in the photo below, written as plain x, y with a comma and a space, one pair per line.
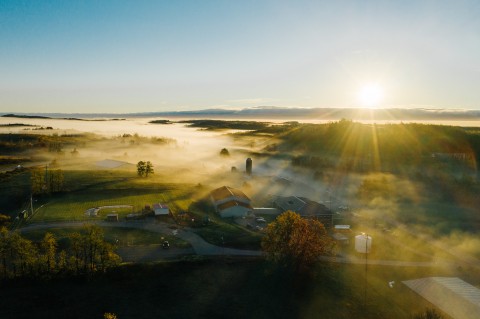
46, 182
87, 252
387, 147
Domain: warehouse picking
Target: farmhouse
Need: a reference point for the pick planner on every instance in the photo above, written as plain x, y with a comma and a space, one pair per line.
231, 202
160, 209
306, 208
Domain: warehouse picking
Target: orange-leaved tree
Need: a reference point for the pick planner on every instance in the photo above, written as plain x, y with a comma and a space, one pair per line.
295, 242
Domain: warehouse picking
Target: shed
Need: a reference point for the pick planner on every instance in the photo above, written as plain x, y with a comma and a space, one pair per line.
112, 218
160, 209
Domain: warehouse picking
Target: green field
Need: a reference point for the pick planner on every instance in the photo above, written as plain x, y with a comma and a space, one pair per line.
89, 189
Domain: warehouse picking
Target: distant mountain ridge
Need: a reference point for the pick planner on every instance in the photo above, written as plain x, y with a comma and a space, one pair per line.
272, 112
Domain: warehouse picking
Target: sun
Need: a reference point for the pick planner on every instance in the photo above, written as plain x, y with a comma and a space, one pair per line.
370, 95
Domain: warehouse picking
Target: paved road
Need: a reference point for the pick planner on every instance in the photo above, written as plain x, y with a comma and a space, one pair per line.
361, 261
201, 247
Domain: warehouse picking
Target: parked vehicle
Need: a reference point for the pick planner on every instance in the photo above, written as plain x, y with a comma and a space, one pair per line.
260, 220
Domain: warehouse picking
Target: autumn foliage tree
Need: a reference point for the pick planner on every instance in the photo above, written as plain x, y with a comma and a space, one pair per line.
87, 252
295, 242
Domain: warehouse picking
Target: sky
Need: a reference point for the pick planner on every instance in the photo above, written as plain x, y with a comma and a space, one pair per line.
148, 56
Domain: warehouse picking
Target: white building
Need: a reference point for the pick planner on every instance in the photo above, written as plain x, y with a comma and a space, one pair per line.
160, 209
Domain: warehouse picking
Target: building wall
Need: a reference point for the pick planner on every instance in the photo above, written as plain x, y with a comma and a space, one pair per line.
235, 211
161, 211
266, 211
228, 199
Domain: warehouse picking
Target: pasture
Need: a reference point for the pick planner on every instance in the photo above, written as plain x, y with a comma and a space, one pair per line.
91, 189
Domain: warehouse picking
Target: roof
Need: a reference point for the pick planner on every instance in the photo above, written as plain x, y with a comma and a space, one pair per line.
226, 192
452, 295
232, 203
302, 206
312, 208
292, 203
160, 206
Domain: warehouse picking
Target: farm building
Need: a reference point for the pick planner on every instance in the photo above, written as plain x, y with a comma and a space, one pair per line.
231, 202
305, 207
160, 209
457, 298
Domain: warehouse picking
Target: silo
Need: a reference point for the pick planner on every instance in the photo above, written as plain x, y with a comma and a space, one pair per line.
249, 166
363, 243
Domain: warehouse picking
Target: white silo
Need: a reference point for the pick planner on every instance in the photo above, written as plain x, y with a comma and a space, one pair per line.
363, 243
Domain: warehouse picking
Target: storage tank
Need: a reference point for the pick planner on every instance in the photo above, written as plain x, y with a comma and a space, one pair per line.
363, 243
249, 166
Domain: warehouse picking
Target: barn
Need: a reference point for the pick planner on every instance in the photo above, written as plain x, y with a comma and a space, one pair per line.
231, 202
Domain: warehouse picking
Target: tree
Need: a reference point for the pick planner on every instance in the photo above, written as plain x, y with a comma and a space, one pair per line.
4, 220
224, 152
56, 180
48, 250
90, 252
144, 168
296, 243
148, 168
47, 181
4, 238
37, 179
141, 166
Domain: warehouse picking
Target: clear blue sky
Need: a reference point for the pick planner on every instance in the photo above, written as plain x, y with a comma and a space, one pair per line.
135, 56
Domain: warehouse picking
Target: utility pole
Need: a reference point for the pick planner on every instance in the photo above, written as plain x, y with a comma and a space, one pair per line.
31, 204
366, 265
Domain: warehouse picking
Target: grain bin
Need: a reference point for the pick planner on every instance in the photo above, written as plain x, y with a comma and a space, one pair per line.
248, 167
363, 243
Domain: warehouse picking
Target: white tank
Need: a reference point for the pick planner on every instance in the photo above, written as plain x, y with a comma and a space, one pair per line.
363, 243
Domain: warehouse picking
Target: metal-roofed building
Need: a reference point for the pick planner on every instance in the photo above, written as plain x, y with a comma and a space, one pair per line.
306, 208
457, 298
